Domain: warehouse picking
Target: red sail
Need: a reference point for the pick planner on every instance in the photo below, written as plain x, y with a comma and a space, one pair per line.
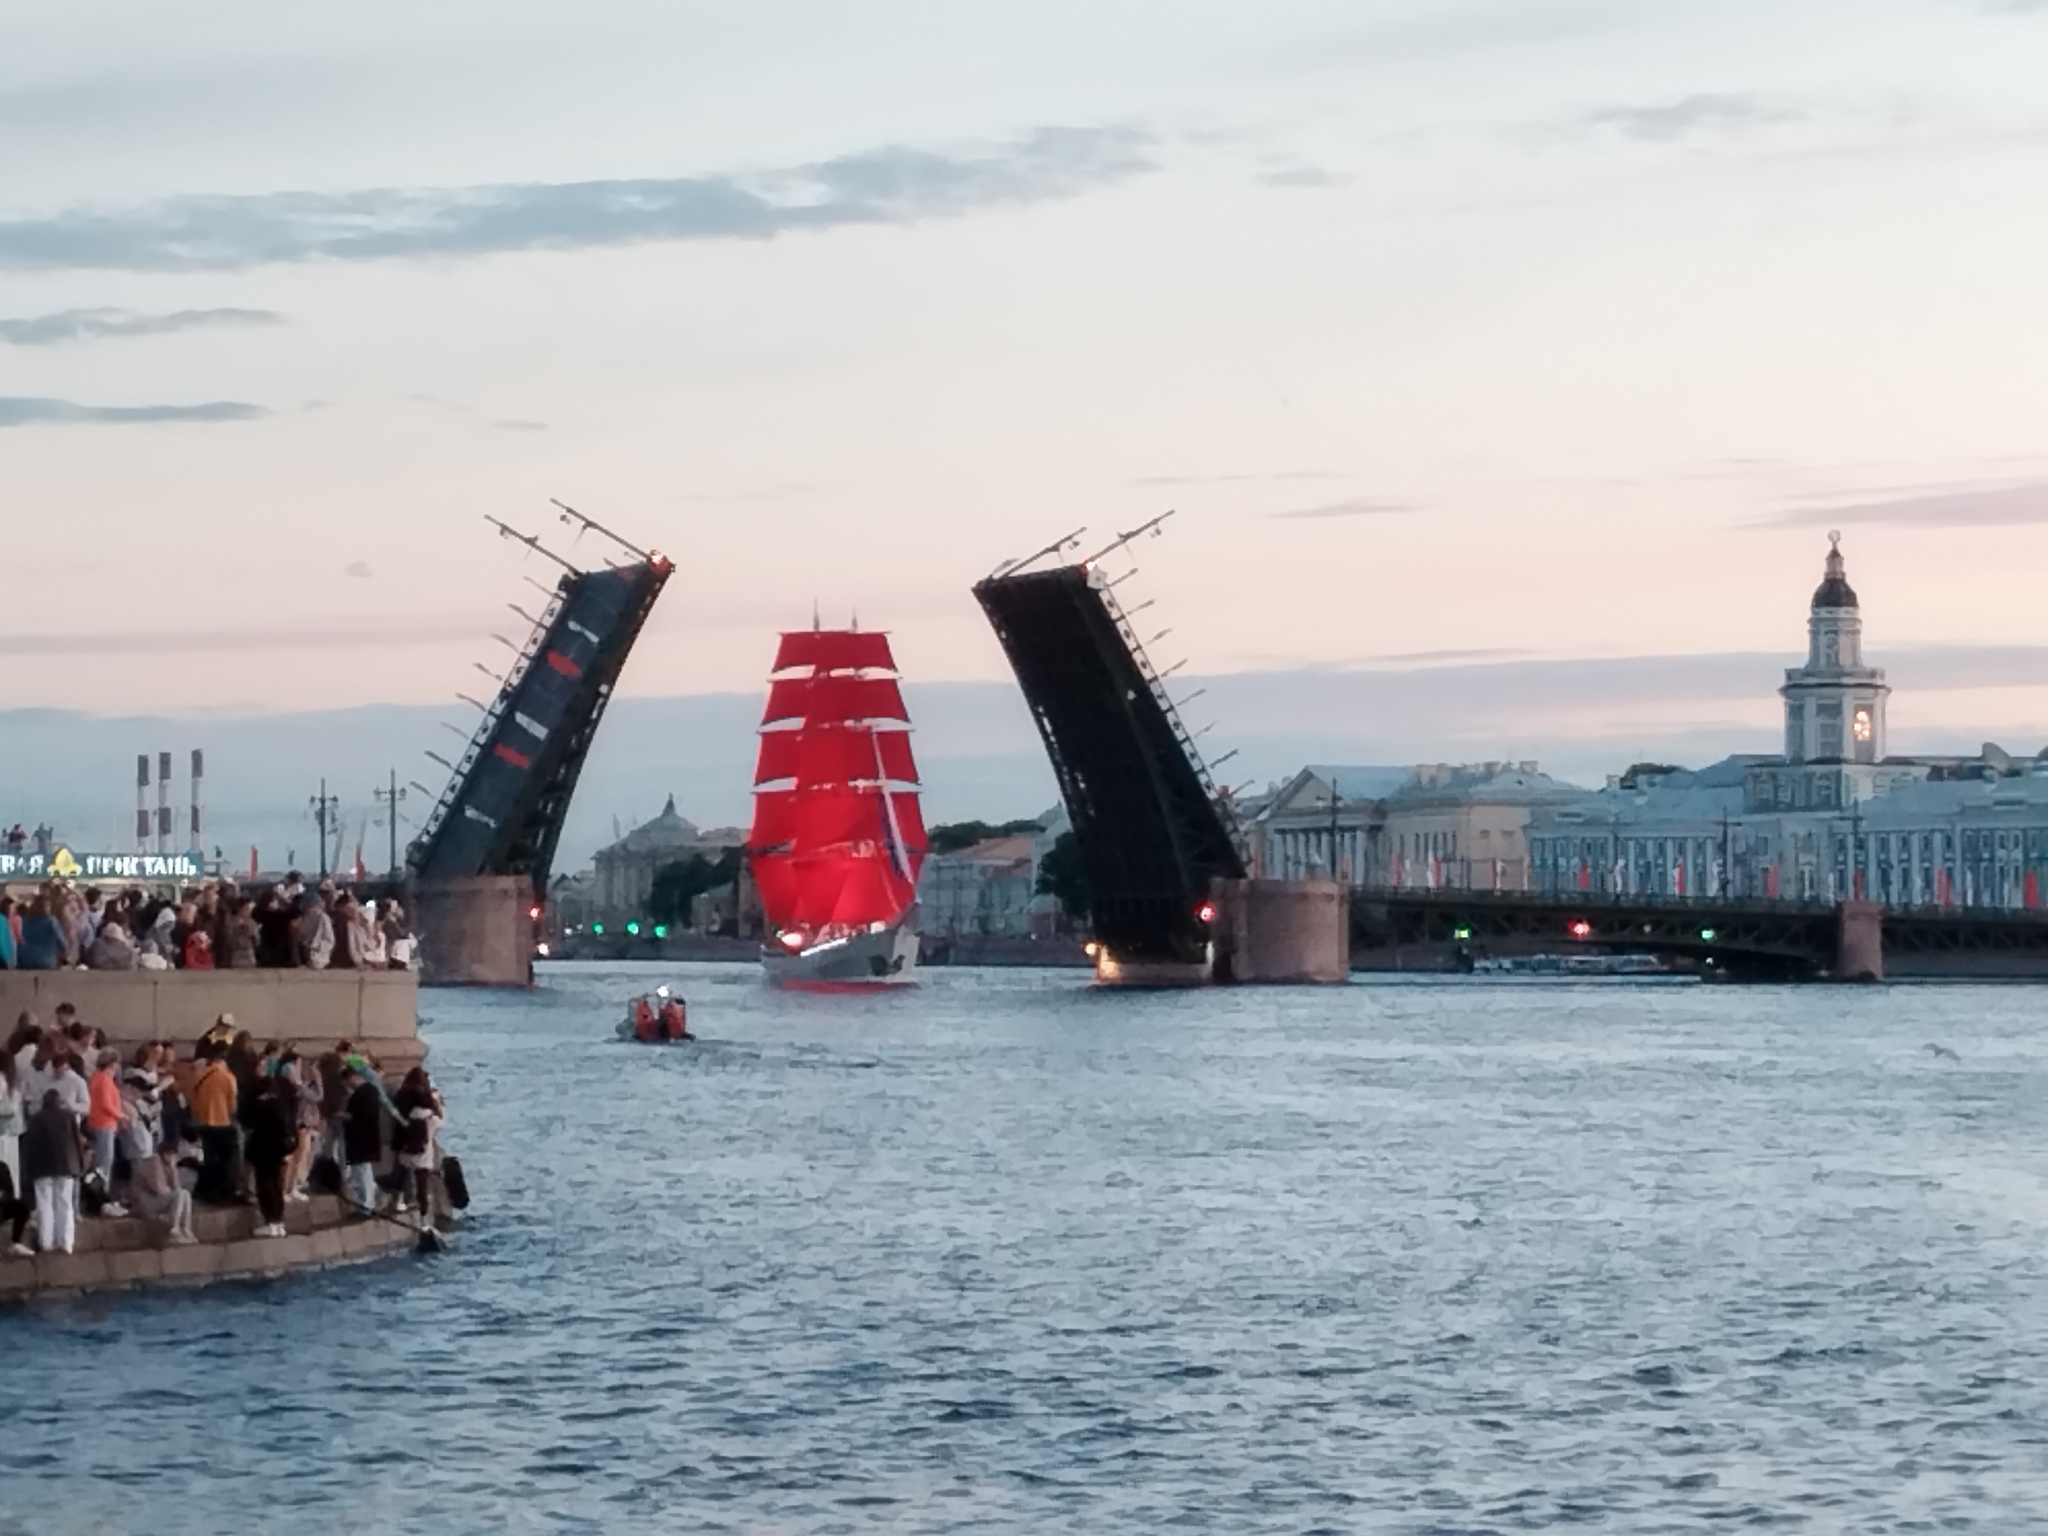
833, 698
869, 892
833, 846
910, 827
775, 876
834, 754
780, 753
834, 650
827, 818
775, 813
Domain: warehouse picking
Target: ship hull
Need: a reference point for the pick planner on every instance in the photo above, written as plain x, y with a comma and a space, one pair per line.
884, 959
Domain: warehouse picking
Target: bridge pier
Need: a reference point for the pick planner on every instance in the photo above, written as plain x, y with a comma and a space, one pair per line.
474, 931
1281, 931
1859, 941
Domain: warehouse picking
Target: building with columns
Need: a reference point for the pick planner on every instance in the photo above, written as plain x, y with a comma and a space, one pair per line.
1436, 825
1834, 815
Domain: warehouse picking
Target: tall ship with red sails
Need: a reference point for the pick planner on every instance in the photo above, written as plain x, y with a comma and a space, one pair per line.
838, 835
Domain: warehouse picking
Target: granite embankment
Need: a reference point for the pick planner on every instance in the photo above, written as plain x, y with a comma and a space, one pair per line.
127, 1252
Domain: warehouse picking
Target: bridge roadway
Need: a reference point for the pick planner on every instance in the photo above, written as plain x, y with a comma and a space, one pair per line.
1429, 929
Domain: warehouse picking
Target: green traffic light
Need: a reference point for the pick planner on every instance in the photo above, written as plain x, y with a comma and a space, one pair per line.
1461, 932
1707, 934
661, 930
598, 929
633, 929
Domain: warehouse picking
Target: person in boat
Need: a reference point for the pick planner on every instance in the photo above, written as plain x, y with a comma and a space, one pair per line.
673, 1024
646, 1026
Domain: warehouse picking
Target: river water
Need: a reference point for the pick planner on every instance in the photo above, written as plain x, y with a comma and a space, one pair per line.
1007, 1254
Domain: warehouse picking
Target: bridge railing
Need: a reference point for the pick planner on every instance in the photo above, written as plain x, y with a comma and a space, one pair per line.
1644, 901
1156, 681
493, 713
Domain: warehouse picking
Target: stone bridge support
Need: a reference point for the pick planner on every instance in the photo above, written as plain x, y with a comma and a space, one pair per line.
1281, 931
1859, 941
475, 931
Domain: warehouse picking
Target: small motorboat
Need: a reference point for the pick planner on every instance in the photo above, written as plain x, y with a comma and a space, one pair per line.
656, 1018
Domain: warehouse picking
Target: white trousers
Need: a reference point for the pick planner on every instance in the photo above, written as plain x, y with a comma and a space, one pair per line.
56, 1214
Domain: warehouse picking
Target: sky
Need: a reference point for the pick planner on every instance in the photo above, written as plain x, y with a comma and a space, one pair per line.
1458, 334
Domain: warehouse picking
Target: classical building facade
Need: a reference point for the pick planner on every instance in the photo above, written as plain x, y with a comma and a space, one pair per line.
991, 887
1834, 815
1442, 825
621, 878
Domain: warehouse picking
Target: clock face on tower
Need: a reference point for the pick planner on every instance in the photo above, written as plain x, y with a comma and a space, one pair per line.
1860, 723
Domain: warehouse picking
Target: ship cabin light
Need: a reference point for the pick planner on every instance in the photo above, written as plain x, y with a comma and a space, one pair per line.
662, 990
791, 939
541, 949
1091, 949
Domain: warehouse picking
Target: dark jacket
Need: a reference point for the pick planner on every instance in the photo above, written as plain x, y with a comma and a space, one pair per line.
274, 937
272, 1122
49, 1147
42, 943
362, 1137
333, 1091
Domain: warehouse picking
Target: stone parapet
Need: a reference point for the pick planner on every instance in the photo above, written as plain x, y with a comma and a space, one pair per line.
377, 1009
127, 1253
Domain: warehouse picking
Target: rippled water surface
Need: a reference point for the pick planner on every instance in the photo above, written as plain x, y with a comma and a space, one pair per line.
1004, 1254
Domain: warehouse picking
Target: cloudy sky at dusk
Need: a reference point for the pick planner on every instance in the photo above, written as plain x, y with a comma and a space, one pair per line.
1452, 329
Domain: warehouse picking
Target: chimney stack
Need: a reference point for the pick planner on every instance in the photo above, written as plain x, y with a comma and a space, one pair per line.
163, 802
198, 779
142, 802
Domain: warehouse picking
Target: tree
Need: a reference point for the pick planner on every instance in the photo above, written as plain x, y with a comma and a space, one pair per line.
1063, 876
678, 884
955, 835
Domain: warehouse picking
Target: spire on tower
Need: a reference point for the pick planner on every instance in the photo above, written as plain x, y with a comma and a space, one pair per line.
1834, 590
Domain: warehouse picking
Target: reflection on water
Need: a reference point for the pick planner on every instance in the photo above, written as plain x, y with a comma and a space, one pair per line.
1003, 1253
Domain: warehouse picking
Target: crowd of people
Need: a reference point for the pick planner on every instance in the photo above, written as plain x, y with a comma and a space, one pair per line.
212, 926
238, 1123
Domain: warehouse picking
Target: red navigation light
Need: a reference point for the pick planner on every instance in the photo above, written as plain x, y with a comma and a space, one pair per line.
657, 559
1206, 912
1579, 928
533, 914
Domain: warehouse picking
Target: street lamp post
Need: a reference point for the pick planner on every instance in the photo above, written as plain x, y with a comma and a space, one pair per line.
323, 806
391, 798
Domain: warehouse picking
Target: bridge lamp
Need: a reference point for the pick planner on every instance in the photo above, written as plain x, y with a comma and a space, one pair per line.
1579, 928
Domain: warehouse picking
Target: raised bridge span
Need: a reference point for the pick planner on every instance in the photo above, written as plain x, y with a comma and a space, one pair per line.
481, 862
1153, 832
